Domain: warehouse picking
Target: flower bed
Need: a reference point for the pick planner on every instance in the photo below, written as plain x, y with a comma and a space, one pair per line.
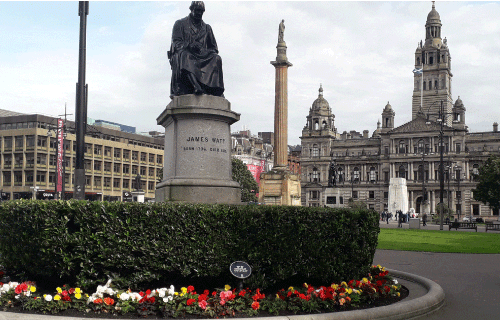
222, 302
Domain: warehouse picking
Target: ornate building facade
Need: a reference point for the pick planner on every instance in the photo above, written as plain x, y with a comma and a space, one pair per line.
337, 167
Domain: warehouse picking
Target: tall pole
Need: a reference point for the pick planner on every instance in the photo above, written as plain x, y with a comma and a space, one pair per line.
81, 105
63, 193
441, 168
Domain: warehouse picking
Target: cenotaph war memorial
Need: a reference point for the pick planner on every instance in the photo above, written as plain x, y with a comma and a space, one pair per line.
197, 157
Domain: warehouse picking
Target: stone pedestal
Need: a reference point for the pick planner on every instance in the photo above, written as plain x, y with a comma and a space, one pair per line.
279, 188
197, 157
414, 223
138, 196
398, 195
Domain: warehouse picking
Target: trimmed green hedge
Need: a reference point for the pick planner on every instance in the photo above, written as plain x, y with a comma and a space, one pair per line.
88, 242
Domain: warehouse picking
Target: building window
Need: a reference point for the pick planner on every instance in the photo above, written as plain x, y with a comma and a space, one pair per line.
97, 181
315, 151
117, 152
151, 185
341, 200
41, 159
373, 174
28, 176
30, 141
315, 175
97, 165
126, 183
386, 195
135, 156
19, 142
355, 174
159, 159
355, 194
143, 171
402, 172
402, 147
458, 194
475, 209
151, 157
143, 157
331, 200
371, 194
116, 183
126, 154
117, 168
126, 168
151, 172
314, 195
107, 182
88, 180
135, 170
107, 151
458, 148
107, 166
475, 171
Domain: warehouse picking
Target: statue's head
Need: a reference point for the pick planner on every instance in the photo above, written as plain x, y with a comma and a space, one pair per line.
197, 9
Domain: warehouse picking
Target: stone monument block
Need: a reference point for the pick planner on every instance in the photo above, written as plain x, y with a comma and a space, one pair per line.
398, 195
197, 157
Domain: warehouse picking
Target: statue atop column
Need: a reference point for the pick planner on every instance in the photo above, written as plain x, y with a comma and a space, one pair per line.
281, 31
196, 65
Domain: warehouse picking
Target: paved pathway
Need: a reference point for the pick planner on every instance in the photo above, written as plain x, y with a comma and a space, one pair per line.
431, 226
471, 282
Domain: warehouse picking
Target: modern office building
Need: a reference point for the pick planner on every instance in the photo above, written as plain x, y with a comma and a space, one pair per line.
113, 159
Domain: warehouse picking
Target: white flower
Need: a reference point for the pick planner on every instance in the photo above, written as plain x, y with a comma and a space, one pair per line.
167, 299
395, 281
108, 283
171, 291
110, 291
48, 297
17, 297
161, 293
13, 284
124, 296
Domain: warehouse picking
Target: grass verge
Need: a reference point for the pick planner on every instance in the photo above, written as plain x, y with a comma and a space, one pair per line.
438, 241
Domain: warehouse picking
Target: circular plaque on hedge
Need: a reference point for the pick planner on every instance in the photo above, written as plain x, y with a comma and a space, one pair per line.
240, 269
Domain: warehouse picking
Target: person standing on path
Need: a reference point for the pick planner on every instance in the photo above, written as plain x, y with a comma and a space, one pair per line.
399, 216
424, 219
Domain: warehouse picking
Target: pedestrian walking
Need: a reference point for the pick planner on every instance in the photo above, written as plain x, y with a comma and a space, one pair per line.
388, 217
400, 218
424, 219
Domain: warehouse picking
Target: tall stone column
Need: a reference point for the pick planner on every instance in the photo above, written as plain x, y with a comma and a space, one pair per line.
281, 107
279, 186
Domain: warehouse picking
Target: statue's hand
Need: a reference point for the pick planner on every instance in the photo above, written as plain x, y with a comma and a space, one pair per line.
195, 47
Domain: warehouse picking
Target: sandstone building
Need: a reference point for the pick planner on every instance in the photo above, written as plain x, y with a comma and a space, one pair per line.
365, 163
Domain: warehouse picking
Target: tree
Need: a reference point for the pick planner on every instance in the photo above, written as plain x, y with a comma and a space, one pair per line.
488, 187
244, 177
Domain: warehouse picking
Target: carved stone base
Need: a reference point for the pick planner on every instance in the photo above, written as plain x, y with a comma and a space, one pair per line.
197, 157
279, 188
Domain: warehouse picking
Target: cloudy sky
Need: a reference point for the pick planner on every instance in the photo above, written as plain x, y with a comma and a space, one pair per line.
362, 53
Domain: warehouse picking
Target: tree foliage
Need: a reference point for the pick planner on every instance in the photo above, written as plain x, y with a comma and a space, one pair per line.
244, 177
488, 188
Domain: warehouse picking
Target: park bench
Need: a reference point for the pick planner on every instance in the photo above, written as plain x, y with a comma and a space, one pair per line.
492, 226
462, 225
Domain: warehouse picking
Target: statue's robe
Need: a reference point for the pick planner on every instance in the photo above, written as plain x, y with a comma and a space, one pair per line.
206, 66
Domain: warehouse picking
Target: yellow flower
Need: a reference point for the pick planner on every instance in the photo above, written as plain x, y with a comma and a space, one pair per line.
395, 288
59, 290
334, 286
348, 290
77, 290
277, 296
176, 293
78, 295
86, 295
306, 285
57, 297
398, 294
365, 280
184, 290
44, 295
290, 288
227, 287
33, 289
343, 284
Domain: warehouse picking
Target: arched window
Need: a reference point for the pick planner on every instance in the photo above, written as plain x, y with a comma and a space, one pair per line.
402, 171
418, 61
402, 147
431, 60
425, 87
475, 171
340, 174
355, 174
435, 84
421, 172
373, 174
430, 85
421, 146
316, 125
315, 151
324, 124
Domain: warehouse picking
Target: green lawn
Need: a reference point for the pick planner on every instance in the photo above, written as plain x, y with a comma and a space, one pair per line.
439, 241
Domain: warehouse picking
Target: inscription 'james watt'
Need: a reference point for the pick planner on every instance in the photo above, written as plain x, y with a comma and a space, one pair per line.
205, 139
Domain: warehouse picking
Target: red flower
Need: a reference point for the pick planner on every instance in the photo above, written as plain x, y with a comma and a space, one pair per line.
148, 292
242, 293
202, 297
108, 301
202, 304
18, 289
71, 291
64, 293
141, 294
66, 298
289, 294
190, 302
379, 283
387, 289
214, 293
190, 288
98, 301
302, 296
152, 300
258, 295
206, 292
255, 305
310, 289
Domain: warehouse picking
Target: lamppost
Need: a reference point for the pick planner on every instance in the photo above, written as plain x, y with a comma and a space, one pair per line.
440, 119
458, 177
423, 151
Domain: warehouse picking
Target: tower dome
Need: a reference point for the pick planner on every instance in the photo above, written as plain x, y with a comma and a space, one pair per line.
320, 102
433, 16
459, 102
388, 107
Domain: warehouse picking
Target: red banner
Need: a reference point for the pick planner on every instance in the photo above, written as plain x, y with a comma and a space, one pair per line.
256, 170
59, 163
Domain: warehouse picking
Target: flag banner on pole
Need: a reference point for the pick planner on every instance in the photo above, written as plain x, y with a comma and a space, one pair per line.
59, 160
417, 71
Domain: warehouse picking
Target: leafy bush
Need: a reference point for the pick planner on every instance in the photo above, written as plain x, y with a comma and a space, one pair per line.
135, 243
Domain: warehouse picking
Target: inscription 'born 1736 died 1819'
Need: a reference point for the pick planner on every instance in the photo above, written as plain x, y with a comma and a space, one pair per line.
240, 269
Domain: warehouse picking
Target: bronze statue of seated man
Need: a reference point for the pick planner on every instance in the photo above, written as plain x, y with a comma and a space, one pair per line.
196, 65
